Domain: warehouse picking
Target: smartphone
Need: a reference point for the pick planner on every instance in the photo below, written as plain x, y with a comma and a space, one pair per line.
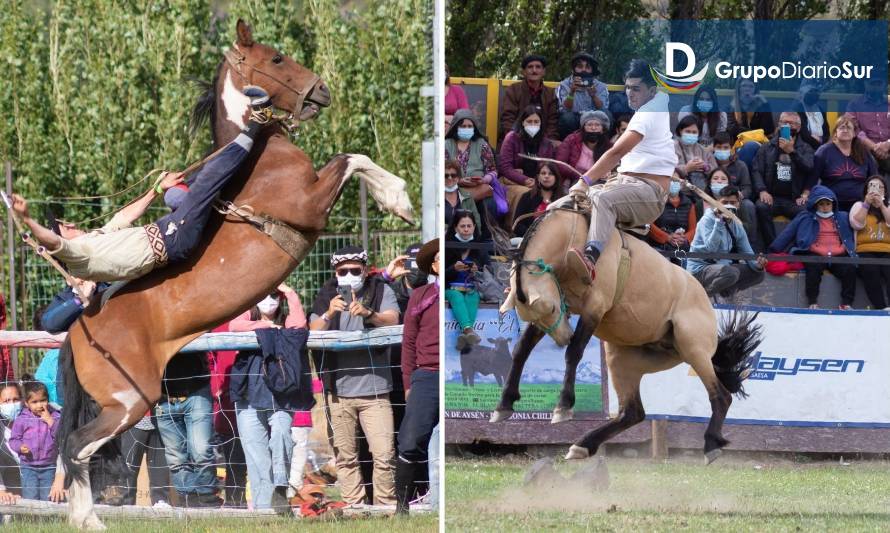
785, 132
345, 293
874, 187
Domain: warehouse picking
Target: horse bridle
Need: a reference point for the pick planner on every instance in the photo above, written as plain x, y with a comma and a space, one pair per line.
291, 121
547, 268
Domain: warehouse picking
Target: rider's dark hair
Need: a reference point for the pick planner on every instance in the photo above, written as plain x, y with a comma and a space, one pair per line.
730, 190
640, 69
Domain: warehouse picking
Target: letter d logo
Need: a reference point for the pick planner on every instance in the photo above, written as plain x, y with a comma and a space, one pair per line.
669, 49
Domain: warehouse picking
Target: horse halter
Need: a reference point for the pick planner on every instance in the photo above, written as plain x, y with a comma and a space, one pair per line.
547, 268
291, 121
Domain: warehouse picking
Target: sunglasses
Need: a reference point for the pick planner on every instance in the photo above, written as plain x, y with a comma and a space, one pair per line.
450, 175
355, 271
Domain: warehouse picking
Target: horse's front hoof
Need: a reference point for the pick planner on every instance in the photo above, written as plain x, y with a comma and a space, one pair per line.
562, 415
712, 456
577, 452
500, 415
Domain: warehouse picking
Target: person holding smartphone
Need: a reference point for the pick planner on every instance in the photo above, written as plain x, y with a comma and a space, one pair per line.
780, 173
580, 92
870, 219
357, 383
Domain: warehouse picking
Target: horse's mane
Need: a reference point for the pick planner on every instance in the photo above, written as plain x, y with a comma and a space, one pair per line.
205, 107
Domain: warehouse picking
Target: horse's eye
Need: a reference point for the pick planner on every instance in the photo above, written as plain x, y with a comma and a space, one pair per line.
276, 59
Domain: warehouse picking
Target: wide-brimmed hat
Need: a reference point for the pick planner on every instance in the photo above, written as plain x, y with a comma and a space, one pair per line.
426, 255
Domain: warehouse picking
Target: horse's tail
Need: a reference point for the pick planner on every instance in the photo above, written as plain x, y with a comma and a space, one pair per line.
78, 409
738, 338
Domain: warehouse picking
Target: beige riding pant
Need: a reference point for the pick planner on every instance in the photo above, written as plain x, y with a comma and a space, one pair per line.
626, 201
375, 417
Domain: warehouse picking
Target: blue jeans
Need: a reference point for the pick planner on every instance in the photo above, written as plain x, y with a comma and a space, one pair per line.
36, 481
182, 229
265, 437
433, 468
186, 427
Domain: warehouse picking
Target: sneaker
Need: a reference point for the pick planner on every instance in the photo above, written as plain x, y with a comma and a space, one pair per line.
578, 259
844, 307
472, 338
161, 504
260, 104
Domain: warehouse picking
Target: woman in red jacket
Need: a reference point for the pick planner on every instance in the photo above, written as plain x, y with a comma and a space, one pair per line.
420, 373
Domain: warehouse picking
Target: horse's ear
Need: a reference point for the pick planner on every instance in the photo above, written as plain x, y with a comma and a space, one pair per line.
245, 34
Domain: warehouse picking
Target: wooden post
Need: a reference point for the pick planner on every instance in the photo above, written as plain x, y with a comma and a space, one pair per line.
10, 252
659, 440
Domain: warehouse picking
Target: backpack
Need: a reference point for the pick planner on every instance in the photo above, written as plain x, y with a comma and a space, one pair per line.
281, 364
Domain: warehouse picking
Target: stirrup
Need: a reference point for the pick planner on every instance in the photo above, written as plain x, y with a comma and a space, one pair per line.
261, 116
578, 260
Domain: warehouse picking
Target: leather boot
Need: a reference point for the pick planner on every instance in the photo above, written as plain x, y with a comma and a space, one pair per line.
404, 485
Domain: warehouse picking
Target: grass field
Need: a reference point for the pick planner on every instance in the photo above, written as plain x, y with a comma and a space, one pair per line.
535, 397
427, 523
678, 495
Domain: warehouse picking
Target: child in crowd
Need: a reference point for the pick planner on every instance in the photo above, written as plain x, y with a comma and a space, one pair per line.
34, 439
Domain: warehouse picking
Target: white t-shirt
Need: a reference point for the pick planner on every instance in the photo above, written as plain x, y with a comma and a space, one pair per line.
655, 153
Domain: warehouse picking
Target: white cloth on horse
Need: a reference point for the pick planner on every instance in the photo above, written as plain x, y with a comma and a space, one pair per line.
655, 153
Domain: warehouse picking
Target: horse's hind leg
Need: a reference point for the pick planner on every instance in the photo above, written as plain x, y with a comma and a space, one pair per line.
626, 368
82, 444
574, 353
698, 352
510, 394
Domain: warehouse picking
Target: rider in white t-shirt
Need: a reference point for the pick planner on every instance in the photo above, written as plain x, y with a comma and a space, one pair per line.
647, 159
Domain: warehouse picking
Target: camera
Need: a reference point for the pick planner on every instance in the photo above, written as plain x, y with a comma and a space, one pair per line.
345, 293
586, 80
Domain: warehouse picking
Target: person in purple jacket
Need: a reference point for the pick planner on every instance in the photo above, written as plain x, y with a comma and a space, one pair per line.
526, 138
34, 439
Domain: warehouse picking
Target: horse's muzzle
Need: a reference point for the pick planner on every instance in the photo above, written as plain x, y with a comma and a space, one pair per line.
317, 98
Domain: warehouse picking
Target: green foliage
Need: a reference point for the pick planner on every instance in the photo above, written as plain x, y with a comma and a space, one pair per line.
96, 93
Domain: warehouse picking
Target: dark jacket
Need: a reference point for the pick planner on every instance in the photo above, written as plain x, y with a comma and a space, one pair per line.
64, 309
517, 97
740, 177
186, 374
528, 202
763, 168
801, 233
797, 106
247, 384
674, 218
762, 119
453, 254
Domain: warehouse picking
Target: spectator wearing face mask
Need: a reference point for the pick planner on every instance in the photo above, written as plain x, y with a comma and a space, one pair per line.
527, 138
694, 161
270, 427
545, 191
821, 230
10, 407
580, 92
674, 229
813, 119
718, 234
584, 147
739, 177
358, 382
461, 266
870, 113
780, 172
710, 117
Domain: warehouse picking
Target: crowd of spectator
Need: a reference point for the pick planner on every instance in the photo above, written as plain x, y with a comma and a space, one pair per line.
221, 409
763, 160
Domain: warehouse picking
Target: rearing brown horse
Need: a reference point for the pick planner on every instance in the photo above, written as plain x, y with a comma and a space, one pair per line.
119, 351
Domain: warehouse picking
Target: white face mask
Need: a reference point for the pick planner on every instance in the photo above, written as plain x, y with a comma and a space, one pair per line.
350, 280
268, 306
532, 130
823, 214
461, 238
10, 410
452, 188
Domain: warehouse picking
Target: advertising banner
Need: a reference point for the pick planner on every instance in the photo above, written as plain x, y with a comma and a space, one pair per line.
473, 379
813, 368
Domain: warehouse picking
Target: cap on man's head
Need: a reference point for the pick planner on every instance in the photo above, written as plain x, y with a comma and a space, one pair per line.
349, 253
533, 57
594, 64
175, 195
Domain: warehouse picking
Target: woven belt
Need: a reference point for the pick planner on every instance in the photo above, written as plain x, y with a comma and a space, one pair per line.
156, 241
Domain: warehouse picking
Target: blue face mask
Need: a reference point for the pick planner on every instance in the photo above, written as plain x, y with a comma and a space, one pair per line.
689, 138
717, 187
465, 134
705, 105
721, 155
820, 214
10, 410
674, 188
